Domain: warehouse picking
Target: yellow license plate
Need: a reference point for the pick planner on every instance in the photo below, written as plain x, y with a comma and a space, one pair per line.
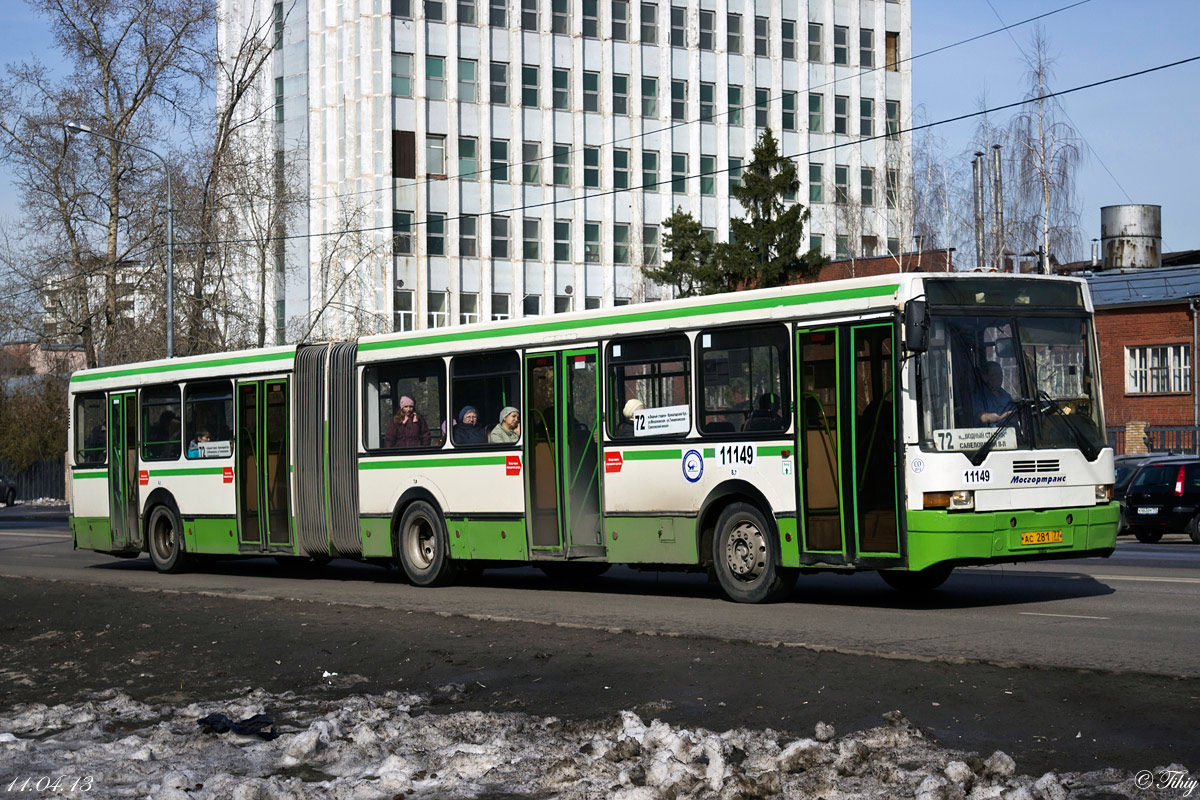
1041, 537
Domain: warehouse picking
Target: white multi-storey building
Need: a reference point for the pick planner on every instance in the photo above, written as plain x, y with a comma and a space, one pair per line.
509, 158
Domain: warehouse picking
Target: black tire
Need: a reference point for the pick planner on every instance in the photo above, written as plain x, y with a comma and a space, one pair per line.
423, 547
920, 582
1148, 537
164, 540
1193, 529
573, 571
10, 499
746, 558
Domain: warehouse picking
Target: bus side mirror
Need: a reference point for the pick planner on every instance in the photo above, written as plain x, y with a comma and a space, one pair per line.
916, 326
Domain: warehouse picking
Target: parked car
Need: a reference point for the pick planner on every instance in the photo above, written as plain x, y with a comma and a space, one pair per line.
1164, 496
8, 489
1126, 466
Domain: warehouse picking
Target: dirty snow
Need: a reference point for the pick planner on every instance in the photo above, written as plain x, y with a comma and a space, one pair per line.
370, 747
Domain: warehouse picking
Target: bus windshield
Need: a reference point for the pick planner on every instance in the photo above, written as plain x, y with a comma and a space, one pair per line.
1010, 382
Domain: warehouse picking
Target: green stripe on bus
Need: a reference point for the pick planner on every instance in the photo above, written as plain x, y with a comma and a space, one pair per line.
650, 455
773, 451
653, 315
181, 364
418, 463
172, 473
81, 475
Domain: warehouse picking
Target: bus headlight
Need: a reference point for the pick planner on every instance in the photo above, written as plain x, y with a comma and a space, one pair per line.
961, 500
1103, 492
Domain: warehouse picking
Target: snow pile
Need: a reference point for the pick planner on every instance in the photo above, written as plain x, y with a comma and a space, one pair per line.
384, 746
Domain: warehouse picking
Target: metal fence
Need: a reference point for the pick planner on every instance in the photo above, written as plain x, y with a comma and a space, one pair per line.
1116, 438
45, 479
1172, 438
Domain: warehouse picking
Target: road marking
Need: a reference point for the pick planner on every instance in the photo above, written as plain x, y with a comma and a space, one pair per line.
38, 535
1146, 578
1068, 616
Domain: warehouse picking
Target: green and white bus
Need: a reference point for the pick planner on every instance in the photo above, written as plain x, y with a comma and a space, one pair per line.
907, 423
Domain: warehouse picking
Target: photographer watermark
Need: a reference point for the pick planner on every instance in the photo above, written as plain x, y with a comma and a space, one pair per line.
1166, 779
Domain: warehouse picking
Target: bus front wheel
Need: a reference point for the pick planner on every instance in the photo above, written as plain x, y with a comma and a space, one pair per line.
423, 546
920, 582
166, 540
745, 560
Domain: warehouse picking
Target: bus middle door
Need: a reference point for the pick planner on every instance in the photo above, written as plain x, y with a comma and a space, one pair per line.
263, 466
123, 472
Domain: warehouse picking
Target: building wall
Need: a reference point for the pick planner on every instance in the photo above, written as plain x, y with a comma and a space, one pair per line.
1118, 328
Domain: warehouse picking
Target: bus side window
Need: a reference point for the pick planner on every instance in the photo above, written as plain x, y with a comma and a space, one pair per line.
649, 386
409, 401
208, 419
744, 380
482, 386
91, 429
162, 427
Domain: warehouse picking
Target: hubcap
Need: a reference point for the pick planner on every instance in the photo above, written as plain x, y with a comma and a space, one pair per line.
421, 544
746, 552
164, 537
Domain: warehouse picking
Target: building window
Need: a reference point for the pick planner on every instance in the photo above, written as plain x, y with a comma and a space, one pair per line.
468, 308
591, 167
1158, 368
678, 100
869, 246
435, 156
866, 48
677, 26
531, 238
531, 165
867, 178
893, 247
816, 242
787, 30
816, 185
531, 306
468, 80
498, 14
435, 78
866, 117
620, 169
789, 111
620, 20
500, 160
562, 240
439, 309
708, 103
679, 171
708, 178
468, 236
499, 83
735, 174
620, 243
560, 21
814, 41
591, 91
435, 234
841, 45
402, 74
816, 113
400, 8
402, 310
735, 105
529, 86
468, 158
402, 243
435, 10
761, 30
466, 12
561, 86
841, 246
649, 23
841, 114
892, 108
891, 51
708, 24
500, 307
499, 237
620, 100
893, 188
591, 242
591, 303
561, 169
650, 247
650, 97
529, 15
733, 28
279, 99
762, 99
841, 183
278, 32
562, 303
649, 169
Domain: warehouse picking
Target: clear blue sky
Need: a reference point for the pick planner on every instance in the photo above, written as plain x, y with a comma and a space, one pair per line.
1144, 129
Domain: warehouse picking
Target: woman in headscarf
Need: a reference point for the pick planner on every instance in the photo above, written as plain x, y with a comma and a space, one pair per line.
407, 428
468, 430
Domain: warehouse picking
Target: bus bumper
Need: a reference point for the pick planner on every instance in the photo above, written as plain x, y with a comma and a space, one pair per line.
993, 537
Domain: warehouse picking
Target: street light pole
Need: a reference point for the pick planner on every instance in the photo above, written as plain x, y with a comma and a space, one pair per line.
77, 128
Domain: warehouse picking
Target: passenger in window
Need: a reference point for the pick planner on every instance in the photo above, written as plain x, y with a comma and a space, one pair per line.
468, 430
202, 437
626, 430
992, 402
509, 429
766, 417
407, 428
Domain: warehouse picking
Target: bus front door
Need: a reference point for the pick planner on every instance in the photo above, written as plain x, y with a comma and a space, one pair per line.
263, 466
123, 472
562, 447
846, 438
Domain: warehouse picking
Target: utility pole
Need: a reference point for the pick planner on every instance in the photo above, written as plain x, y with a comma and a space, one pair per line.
977, 175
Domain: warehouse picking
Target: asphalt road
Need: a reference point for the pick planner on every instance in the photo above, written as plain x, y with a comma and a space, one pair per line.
1067, 665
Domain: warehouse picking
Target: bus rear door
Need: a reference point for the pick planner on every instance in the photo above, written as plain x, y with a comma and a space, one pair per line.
123, 471
263, 466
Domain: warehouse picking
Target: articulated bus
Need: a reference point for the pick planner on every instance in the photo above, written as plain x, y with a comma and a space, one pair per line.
907, 424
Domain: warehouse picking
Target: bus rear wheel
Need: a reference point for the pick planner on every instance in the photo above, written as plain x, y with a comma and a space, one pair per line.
423, 547
1148, 537
165, 540
745, 559
920, 582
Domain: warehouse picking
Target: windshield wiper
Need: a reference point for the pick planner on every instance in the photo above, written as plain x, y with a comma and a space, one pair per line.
979, 455
1086, 446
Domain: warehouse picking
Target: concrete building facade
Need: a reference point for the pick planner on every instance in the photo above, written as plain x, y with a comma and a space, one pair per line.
481, 159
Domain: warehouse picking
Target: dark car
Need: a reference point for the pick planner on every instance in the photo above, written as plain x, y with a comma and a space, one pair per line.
8, 490
1164, 496
1126, 466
